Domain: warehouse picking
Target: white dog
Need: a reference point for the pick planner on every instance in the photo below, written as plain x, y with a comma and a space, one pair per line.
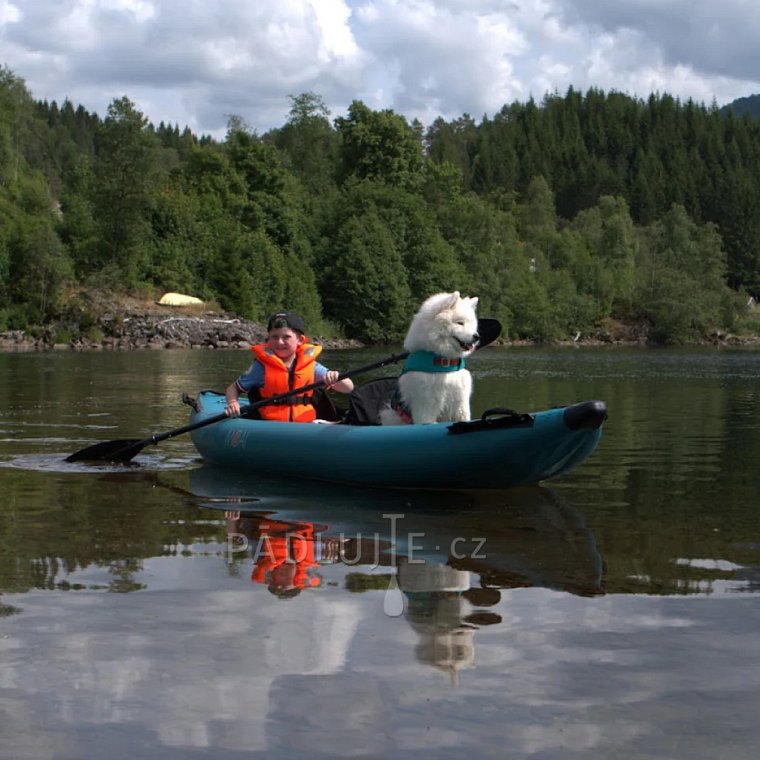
434, 385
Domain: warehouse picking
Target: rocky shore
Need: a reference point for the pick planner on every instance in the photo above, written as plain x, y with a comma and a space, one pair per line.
97, 321
139, 330
217, 331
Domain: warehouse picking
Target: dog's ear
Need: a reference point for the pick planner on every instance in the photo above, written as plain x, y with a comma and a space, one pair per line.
452, 300
472, 301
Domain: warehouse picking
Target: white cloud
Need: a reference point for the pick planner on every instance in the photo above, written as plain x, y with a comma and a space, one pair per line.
141, 10
9, 13
193, 62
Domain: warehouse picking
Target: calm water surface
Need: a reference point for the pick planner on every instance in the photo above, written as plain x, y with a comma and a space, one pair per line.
613, 613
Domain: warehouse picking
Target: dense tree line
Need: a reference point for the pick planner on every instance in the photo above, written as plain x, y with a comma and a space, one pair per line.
580, 211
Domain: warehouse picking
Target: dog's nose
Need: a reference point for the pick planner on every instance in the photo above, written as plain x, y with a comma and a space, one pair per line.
476, 338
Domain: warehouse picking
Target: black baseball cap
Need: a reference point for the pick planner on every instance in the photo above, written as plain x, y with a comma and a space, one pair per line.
286, 319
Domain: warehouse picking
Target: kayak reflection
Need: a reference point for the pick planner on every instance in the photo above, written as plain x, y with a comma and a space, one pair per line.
442, 558
516, 538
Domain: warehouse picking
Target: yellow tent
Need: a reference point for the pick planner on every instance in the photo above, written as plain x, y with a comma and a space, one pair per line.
178, 299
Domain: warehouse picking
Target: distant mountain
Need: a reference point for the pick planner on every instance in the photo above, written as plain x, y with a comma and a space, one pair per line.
749, 105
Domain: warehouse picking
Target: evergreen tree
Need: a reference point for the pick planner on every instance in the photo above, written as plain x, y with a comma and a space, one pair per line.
309, 140
453, 143
126, 179
367, 297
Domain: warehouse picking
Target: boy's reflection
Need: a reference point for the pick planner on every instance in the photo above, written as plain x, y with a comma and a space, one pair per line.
286, 554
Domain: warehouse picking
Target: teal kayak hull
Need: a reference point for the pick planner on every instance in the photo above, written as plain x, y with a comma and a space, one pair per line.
476, 455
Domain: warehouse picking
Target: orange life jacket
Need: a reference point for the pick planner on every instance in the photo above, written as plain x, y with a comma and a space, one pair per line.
285, 542
279, 379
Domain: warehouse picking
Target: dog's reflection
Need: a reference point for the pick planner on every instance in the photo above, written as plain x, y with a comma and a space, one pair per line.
449, 587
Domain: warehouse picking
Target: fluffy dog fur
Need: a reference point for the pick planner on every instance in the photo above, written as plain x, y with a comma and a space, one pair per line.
447, 325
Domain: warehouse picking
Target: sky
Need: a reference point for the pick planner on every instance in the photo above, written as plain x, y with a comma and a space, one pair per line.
195, 63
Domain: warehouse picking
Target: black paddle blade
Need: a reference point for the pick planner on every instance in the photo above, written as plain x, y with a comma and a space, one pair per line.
109, 451
489, 330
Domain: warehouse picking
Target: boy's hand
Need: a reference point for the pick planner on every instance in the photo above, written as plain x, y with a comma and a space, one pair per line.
331, 377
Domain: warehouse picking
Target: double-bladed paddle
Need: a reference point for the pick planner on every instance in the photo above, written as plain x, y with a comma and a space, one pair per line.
122, 450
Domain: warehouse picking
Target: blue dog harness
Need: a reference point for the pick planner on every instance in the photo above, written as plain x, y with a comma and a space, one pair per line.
427, 361
422, 361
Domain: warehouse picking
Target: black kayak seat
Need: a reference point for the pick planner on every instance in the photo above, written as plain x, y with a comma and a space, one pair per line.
367, 401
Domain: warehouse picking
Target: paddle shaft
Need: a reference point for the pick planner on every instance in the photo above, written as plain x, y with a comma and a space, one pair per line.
245, 411
124, 450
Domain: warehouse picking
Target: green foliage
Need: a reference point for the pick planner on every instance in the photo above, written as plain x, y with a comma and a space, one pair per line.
428, 263
15, 117
379, 145
442, 183
363, 291
63, 335
38, 267
452, 144
747, 323
301, 292
668, 307
538, 219
572, 310
126, 179
680, 285
177, 238
485, 241
560, 215
309, 142
528, 304
246, 268
19, 316
608, 235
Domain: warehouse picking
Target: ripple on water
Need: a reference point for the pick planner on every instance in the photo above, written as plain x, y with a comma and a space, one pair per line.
58, 463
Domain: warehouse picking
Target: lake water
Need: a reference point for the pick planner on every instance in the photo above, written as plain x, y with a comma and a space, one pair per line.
613, 613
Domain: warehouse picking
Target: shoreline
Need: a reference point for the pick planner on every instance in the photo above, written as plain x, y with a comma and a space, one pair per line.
155, 332
98, 321
225, 331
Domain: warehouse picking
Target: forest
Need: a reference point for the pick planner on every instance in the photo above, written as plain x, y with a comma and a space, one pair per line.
581, 214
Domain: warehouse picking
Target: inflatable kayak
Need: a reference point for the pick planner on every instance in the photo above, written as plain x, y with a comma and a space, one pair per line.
501, 450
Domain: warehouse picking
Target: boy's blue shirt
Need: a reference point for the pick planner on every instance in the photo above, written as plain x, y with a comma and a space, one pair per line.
254, 376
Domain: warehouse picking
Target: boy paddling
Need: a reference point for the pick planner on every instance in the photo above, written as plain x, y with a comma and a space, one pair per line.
284, 362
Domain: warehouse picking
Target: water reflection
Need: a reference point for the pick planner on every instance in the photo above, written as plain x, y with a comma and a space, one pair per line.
286, 554
442, 559
574, 657
109, 530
